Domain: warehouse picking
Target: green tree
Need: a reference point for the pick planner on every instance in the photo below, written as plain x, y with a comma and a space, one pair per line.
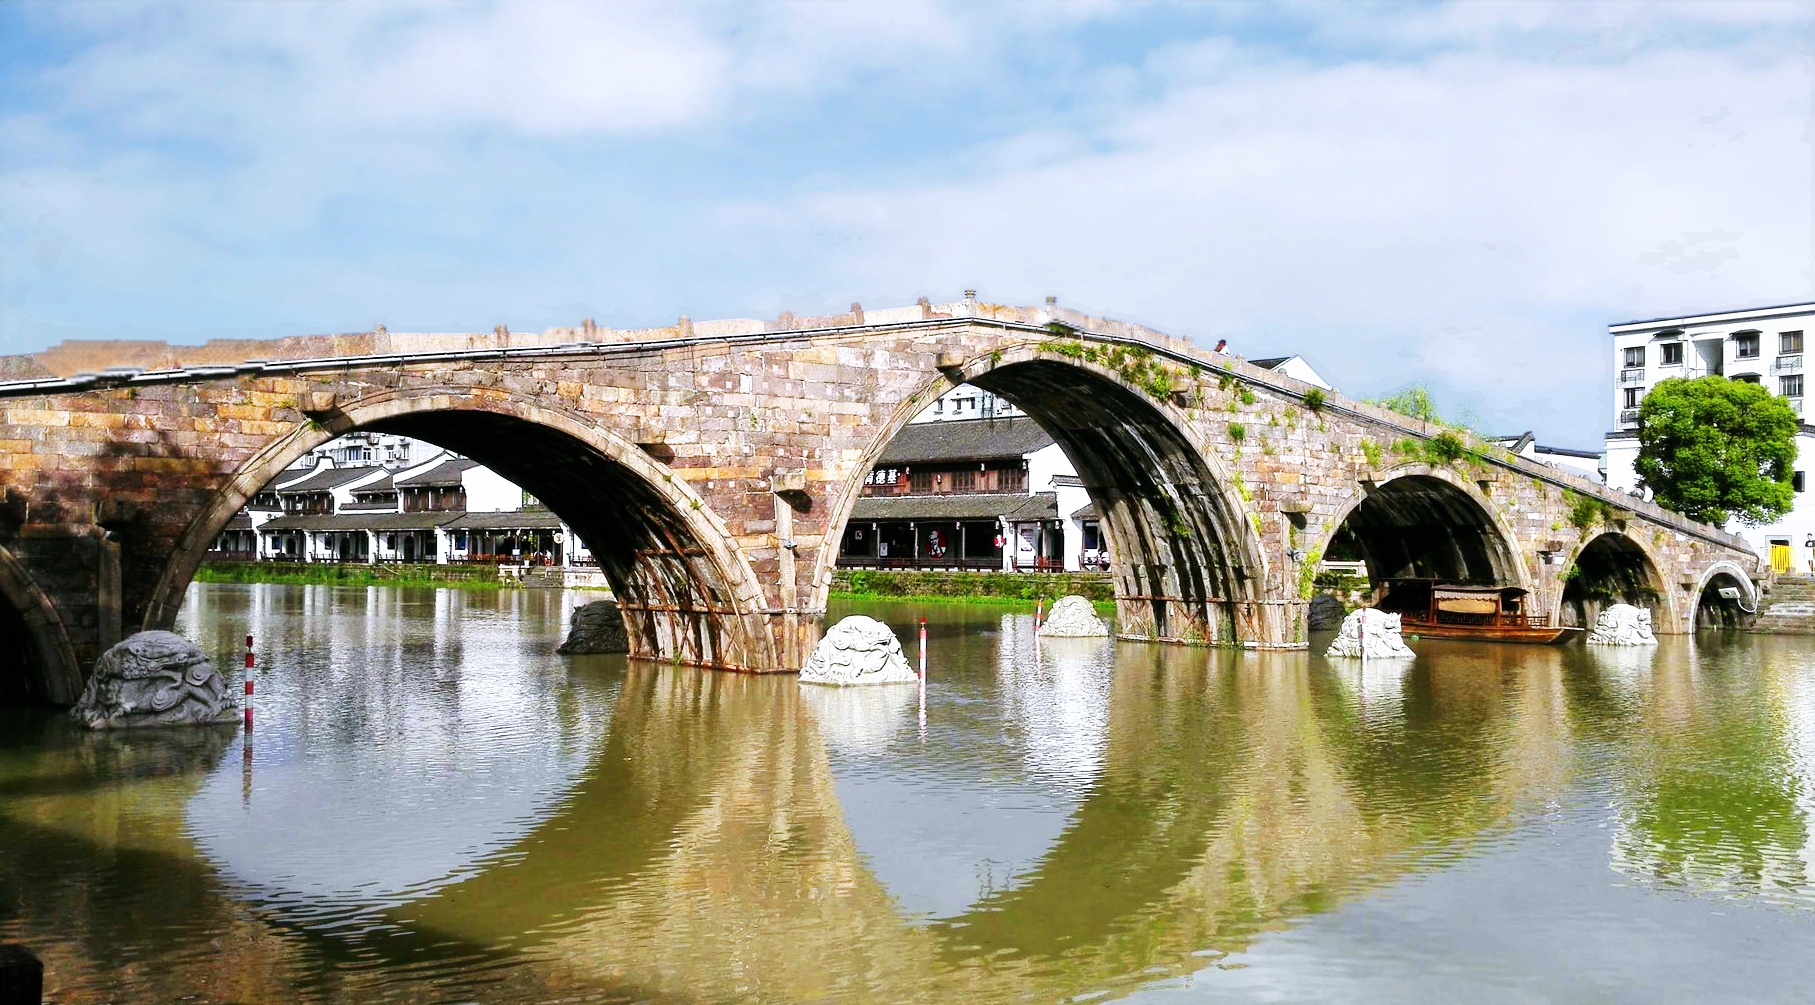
1710, 448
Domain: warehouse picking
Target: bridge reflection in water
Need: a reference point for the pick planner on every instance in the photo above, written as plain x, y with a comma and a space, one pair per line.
1074, 819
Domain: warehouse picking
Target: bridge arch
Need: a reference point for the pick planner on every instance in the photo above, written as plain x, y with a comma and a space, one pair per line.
1427, 520
1184, 548
1708, 609
685, 592
1614, 568
37, 661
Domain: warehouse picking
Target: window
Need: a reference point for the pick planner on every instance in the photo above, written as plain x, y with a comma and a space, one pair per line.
1790, 386
1672, 354
1750, 378
1635, 356
1790, 342
1745, 345
938, 406
1633, 394
1796, 481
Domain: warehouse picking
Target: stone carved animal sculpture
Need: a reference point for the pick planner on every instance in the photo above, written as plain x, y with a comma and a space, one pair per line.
1622, 625
1372, 633
857, 650
153, 679
1073, 617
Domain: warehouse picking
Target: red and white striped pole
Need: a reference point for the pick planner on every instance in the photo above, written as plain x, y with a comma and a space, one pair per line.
923, 647
1039, 612
249, 662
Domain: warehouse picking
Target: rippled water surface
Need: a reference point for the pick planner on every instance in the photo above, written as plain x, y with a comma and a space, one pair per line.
435, 806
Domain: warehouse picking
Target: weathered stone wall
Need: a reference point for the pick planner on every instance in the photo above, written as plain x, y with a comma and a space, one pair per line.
691, 462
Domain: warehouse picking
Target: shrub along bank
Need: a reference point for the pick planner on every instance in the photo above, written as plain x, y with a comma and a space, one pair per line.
1001, 587
478, 577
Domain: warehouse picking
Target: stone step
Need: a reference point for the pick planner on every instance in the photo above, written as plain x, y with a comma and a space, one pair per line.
1786, 612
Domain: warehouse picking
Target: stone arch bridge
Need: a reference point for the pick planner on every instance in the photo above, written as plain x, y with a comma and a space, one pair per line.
711, 469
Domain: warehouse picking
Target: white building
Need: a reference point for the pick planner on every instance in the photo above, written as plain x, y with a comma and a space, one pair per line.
1587, 463
1763, 346
364, 448
442, 508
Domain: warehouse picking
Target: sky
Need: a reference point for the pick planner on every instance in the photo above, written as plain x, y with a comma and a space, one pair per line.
1460, 194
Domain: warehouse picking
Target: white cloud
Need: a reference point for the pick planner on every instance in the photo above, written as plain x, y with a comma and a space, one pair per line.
1461, 193
1372, 214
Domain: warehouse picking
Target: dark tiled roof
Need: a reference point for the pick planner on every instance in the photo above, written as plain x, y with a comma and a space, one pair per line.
377, 507
241, 521
362, 521
328, 478
1087, 512
381, 485
445, 473
972, 506
965, 440
1270, 362
523, 519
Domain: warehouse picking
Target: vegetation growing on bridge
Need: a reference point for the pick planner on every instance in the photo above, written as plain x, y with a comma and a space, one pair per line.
1135, 364
1585, 512
1710, 448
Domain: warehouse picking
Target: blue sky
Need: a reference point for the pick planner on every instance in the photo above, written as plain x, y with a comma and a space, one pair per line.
1460, 194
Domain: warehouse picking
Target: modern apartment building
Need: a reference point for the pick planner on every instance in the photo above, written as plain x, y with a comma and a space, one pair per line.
1764, 346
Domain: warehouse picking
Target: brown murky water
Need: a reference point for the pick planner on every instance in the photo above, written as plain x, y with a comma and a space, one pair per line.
436, 807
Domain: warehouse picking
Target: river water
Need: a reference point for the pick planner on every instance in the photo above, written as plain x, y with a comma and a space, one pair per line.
436, 807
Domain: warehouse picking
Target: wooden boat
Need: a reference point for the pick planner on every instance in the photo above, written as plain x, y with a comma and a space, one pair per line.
1434, 609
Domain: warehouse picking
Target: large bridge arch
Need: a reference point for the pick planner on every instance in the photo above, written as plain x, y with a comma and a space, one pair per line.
1184, 545
1427, 520
686, 593
37, 662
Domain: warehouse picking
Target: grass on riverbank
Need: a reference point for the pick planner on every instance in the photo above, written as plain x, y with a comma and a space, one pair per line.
324, 574
1104, 608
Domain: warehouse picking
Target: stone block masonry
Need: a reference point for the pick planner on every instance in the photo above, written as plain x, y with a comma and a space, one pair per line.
712, 468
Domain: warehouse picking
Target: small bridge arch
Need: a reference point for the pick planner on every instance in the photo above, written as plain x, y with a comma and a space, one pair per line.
685, 594
37, 662
1424, 520
1708, 609
1613, 567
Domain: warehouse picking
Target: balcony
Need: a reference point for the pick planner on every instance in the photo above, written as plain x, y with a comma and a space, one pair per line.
1787, 364
1632, 375
1629, 416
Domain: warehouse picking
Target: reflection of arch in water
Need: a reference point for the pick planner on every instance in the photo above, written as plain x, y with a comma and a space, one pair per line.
686, 592
1184, 548
1613, 568
1424, 521
37, 662
1712, 609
